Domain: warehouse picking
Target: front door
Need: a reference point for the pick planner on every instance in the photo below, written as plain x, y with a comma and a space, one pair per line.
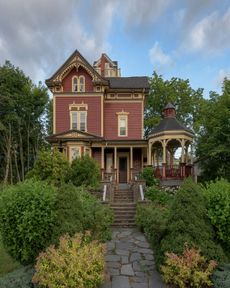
122, 169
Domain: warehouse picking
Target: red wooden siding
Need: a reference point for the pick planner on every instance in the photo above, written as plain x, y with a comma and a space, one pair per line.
134, 120
93, 114
67, 81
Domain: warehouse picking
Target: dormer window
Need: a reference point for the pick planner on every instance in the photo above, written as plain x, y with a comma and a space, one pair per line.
78, 84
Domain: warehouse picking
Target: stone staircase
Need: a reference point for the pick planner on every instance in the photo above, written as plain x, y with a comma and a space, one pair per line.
124, 208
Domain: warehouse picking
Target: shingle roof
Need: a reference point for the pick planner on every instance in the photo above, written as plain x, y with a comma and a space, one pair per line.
128, 82
169, 124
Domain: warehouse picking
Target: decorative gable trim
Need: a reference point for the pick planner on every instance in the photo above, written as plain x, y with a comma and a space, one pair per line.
74, 61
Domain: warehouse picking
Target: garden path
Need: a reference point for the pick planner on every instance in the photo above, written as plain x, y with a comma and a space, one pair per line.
130, 261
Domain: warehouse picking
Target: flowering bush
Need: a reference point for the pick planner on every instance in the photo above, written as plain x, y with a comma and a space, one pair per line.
77, 262
189, 270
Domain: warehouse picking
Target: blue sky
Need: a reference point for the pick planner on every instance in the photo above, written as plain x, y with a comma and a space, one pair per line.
177, 38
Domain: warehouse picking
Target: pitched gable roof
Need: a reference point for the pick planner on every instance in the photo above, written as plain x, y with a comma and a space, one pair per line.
75, 60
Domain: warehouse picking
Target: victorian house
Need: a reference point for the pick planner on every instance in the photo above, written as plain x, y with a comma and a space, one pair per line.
99, 113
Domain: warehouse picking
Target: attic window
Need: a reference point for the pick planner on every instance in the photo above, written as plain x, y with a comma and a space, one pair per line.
78, 84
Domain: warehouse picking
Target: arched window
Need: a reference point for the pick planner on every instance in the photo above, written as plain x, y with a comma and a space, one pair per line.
81, 84
74, 84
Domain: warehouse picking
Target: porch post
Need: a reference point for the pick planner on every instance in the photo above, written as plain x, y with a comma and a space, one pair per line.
164, 159
115, 162
131, 163
102, 161
182, 159
149, 153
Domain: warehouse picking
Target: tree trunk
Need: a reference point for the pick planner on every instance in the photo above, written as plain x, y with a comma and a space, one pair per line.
7, 154
16, 165
21, 152
28, 145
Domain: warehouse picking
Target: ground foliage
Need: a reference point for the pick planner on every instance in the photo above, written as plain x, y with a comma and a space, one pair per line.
76, 262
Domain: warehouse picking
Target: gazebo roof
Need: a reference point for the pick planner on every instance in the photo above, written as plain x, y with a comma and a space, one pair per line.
169, 122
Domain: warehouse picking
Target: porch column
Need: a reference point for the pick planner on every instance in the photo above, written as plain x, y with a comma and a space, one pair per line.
182, 151
115, 162
182, 159
102, 161
164, 159
131, 163
149, 153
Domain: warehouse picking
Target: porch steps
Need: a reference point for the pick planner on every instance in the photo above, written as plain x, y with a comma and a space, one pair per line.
123, 196
124, 208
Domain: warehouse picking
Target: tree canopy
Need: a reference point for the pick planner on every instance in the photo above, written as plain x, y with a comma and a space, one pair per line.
22, 127
214, 135
188, 102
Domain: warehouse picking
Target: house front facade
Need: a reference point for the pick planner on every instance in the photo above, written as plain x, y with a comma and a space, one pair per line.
99, 113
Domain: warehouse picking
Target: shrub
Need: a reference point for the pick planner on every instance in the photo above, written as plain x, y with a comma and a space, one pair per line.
189, 270
77, 211
75, 263
69, 209
27, 218
158, 196
218, 205
19, 278
147, 175
85, 171
153, 220
221, 277
96, 217
51, 166
188, 223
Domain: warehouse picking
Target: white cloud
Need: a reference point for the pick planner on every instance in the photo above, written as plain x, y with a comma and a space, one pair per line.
39, 35
159, 58
211, 34
140, 13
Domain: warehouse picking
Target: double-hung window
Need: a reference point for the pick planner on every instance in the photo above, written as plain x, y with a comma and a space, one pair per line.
78, 116
122, 123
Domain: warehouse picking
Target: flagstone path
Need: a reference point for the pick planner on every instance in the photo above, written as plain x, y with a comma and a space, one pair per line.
130, 261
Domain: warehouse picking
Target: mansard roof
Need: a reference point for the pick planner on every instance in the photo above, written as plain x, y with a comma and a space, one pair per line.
135, 82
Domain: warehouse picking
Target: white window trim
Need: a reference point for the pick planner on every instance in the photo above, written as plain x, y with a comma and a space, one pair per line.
78, 119
71, 152
78, 83
124, 115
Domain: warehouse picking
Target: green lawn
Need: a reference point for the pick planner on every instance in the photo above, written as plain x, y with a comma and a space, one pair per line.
7, 264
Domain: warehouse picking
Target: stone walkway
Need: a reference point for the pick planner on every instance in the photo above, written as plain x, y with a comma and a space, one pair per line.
130, 261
